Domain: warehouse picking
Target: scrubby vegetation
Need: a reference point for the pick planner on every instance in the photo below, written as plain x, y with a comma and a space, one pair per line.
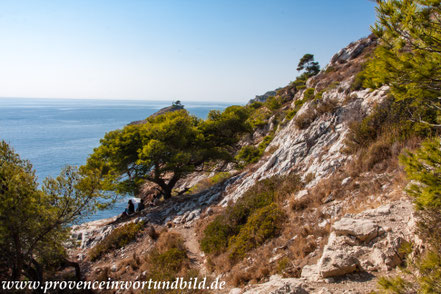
251, 154
263, 224
168, 258
34, 222
253, 219
118, 238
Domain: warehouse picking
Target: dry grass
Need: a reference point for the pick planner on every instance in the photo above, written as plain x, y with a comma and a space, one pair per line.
326, 106
303, 120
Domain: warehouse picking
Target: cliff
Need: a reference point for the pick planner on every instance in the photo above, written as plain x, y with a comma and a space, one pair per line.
344, 226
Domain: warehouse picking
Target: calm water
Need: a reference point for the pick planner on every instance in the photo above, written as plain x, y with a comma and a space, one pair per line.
54, 133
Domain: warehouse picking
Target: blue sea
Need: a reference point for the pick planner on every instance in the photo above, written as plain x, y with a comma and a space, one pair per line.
52, 133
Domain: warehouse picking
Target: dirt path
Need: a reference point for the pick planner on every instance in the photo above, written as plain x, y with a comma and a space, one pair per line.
194, 253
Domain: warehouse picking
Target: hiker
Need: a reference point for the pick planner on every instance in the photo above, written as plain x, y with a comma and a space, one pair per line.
130, 208
141, 205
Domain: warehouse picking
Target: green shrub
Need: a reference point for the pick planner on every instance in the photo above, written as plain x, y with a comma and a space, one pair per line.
299, 83
216, 236
385, 117
118, 238
357, 83
265, 223
297, 105
220, 177
319, 95
259, 117
423, 167
282, 265
248, 154
265, 142
251, 154
255, 105
250, 217
169, 260
273, 103
309, 94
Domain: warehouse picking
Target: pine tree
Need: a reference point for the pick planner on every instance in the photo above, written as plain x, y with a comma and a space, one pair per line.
34, 222
423, 168
409, 56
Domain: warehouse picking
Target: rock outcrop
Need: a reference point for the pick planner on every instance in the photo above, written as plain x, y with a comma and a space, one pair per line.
369, 241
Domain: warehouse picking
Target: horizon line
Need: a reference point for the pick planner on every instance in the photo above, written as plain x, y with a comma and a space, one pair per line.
128, 99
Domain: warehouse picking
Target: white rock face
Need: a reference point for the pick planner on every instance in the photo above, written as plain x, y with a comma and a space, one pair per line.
315, 150
337, 263
363, 229
360, 243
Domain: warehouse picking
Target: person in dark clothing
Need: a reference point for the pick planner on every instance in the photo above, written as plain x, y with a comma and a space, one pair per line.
130, 208
141, 205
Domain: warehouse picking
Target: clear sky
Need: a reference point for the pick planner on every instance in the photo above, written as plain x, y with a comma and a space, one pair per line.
224, 50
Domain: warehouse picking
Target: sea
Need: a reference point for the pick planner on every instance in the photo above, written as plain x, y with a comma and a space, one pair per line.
53, 133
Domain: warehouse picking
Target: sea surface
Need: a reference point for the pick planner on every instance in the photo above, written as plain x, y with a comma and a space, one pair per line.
53, 133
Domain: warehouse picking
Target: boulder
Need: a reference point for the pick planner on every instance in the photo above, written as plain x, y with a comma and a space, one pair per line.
337, 263
363, 229
310, 273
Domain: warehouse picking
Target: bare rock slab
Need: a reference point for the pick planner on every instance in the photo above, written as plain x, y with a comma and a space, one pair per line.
363, 229
337, 263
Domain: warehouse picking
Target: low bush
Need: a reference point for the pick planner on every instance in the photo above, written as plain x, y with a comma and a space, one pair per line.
216, 236
265, 223
377, 152
167, 261
251, 154
273, 103
259, 116
319, 94
297, 105
309, 94
118, 238
249, 219
303, 120
248, 154
166, 266
357, 83
385, 117
326, 106
220, 177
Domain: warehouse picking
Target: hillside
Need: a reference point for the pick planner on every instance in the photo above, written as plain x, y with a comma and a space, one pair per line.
345, 216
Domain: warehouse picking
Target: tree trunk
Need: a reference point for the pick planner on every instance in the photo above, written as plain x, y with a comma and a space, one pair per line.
18, 259
74, 265
167, 188
166, 192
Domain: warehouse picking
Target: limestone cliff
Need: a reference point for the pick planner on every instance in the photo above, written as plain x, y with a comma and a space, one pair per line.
351, 221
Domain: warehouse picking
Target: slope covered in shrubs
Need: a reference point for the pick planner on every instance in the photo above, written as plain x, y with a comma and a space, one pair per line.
253, 219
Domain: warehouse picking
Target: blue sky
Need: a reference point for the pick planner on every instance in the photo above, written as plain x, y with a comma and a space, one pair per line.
165, 50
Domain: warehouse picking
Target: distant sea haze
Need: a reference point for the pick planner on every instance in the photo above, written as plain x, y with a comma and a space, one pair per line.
52, 133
